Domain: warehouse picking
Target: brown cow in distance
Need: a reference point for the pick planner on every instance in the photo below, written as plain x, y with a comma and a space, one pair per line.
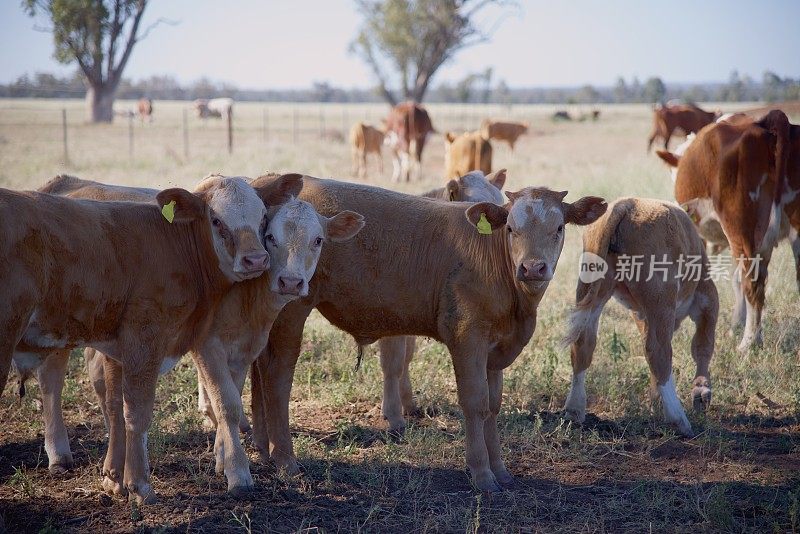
660, 296
470, 151
420, 267
119, 277
507, 131
364, 140
407, 128
745, 174
144, 109
686, 117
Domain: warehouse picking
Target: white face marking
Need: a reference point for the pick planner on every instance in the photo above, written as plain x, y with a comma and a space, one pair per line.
476, 188
237, 205
673, 410
294, 236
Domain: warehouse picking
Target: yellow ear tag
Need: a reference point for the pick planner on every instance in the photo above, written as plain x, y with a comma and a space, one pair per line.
483, 225
168, 211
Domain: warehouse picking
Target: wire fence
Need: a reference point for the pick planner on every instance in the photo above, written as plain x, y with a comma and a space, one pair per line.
60, 128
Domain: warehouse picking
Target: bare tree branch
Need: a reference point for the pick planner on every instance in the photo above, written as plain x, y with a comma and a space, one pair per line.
151, 27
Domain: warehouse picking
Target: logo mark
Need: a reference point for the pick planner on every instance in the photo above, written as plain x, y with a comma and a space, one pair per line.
591, 268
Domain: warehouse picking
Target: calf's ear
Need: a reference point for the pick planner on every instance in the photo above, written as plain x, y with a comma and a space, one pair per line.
494, 214
452, 190
668, 157
275, 191
449, 137
584, 211
343, 226
498, 179
187, 206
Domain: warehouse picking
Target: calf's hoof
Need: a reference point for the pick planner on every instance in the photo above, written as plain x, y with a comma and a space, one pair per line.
240, 491
286, 465
684, 428
506, 480
576, 415
749, 343
61, 465
114, 487
486, 482
396, 434
701, 398
143, 493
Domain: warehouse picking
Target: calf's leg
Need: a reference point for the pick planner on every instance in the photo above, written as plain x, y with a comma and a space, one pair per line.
50, 376
95, 364
139, 391
584, 323
393, 355
754, 286
406, 391
705, 309
114, 463
490, 433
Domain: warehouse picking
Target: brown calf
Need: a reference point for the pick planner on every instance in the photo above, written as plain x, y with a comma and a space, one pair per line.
407, 129
365, 139
687, 117
420, 267
670, 284
504, 130
121, 278
144, 108
464, 153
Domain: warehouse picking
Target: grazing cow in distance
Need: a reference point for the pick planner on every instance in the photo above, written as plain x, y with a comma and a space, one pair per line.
507, 131
119, 277
660, 293
407, 128
745, 174
144, 108
687, 117
421, 267
561, 115
218, 108
396, 352
365, 139
470, 151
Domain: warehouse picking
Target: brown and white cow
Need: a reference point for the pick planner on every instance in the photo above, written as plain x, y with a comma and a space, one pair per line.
661, 286
364, 140
121, 278
407, 128
507, 131
294, 237
217, 108
396, 352
144, 108
686, 117
745, 174
470, 151
420, 267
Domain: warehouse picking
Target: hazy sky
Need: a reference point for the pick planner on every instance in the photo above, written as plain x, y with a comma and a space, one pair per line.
291, 43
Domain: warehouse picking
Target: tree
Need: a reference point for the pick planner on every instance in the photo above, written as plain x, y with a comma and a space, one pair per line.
413, 38
99, 35
587, 95
654, 90
620, 91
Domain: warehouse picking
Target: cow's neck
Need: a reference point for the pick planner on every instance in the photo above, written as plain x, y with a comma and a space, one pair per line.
524, 296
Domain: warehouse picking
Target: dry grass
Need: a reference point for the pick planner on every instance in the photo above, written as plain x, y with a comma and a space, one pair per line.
622, 471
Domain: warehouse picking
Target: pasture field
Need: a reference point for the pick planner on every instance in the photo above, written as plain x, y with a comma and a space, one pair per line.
622, 471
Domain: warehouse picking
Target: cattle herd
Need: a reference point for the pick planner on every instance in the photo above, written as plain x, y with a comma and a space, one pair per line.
231, 271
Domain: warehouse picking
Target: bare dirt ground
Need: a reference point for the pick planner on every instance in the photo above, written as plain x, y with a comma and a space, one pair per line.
622, 471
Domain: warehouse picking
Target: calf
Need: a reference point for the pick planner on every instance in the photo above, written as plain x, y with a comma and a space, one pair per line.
420, 267
407, 129
118, 277
504, 131
670, 283
144, 108
294, 237
468, 152
745, 174
396, 352
219, 108
686, 117
365, 139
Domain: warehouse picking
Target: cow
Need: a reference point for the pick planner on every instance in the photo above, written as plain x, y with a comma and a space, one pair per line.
396, 352
504, 130
470, 151
218, 108
294, 237
407, 128
144, 108
746, 175
365, 139
420, 267
687, 117
119, 277
670, 283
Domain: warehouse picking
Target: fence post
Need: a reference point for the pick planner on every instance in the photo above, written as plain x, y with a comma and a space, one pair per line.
321, 123
294, 125
130, 137
230, 131
265, 124
185, 135
64, 129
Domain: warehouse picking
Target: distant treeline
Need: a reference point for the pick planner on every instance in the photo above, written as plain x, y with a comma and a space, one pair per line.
473, 89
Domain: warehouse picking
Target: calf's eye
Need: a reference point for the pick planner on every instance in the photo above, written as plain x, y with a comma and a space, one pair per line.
271, 239
318, 241
560, 228
216, 222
